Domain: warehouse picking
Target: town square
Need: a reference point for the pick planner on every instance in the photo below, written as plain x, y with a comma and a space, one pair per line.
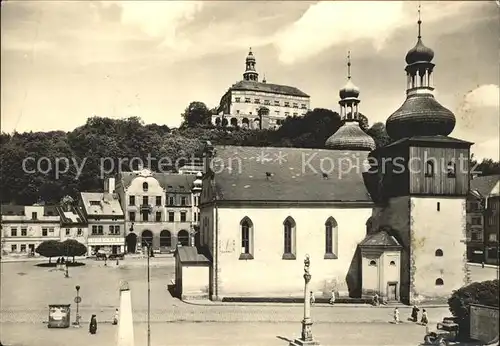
298, 173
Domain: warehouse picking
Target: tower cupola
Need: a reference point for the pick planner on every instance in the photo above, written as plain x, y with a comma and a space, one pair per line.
421, 114
250, 72
350, 136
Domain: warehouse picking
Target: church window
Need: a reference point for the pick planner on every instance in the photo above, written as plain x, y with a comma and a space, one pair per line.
392, 263
145, 186
429, 168
289, 238
331, 239
276, 103
450, 169
439, 253
237, 99
246, 229
439, 282
372, 263
247, 99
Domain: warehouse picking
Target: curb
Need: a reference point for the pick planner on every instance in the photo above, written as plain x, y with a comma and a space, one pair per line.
492, 266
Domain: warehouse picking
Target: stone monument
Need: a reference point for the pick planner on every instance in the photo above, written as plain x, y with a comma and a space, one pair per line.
306, 338
125, 335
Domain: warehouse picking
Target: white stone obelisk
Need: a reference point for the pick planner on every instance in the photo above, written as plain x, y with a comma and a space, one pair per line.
125, 335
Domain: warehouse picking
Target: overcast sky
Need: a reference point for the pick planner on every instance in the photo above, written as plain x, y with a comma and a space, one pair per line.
63, 62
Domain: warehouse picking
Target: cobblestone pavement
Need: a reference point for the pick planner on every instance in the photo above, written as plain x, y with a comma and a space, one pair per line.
220, 334
478, 274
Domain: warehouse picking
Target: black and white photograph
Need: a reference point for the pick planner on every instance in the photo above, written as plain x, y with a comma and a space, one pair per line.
273, 173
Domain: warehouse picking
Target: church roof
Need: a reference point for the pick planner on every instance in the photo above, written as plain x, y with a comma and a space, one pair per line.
289, 175
380, 239
350, 137
269, 88
485, 184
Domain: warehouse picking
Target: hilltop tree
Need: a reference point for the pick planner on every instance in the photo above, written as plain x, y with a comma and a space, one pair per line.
196, 114
379, 134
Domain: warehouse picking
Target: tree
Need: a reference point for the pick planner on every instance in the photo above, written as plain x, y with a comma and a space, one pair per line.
72, 248
485, 167
484, 293
49, 248
196, 114
379, 134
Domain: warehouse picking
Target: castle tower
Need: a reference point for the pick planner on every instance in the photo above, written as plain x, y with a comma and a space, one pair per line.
250, 72
421, 186
350, 136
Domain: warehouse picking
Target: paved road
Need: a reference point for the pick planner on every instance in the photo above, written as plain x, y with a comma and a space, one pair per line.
218, 334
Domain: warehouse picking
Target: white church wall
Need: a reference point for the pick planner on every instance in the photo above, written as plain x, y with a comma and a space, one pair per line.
267, 274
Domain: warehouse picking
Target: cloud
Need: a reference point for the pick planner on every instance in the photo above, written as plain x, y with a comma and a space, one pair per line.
487, 95
329, 23
159, 19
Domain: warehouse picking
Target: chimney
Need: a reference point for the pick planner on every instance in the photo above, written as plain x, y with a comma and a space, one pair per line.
109, 185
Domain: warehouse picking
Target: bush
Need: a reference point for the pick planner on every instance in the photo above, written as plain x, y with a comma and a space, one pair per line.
484, 293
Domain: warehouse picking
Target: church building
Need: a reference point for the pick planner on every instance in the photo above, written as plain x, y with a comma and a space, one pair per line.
255, 104
389, 221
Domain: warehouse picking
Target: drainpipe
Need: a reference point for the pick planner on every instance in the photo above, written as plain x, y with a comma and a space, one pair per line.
216, 251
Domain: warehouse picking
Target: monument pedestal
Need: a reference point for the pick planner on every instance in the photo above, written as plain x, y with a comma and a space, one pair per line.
306, 338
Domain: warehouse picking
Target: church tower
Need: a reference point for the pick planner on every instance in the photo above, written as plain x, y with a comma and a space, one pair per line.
350, 136
420, 183
250, 72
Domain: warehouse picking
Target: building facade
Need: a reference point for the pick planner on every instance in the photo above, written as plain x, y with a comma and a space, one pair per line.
482, 219
159, 209
25, 227
73, 224
105, 219
253, 104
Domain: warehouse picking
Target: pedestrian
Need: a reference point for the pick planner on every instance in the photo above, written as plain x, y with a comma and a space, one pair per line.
93, 325
375, 300
396, 316
313, 299
58, 263
332, 299
482, 264
414, 313
424, 319
115, 319
117, 262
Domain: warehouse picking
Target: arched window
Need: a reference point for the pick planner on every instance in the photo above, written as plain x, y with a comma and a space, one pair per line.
145, 186
429, 168
146, 238
246, 228
165, 239
224, 122
372, 263
183, 237
234, 122
331, 238
392, 263
439, 282
217, 121
289, 238
369, 225
439, 253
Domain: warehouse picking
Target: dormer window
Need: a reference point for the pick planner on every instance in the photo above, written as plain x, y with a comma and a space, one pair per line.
145, 186
429, 168
34, 215
451, 169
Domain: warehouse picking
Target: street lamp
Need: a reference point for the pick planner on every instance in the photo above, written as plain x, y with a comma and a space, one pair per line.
148, 245
77, 301
66, 274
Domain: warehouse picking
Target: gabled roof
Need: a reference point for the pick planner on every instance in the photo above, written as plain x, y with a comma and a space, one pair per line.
169, 181
484, 185
380, 239
246, 85
19, 210
289, 175
72, 217
101, 204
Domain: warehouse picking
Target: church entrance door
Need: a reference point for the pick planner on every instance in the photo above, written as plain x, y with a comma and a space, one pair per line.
392, 291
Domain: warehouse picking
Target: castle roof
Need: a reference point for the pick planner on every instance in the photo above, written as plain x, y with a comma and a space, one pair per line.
245, 85
253, 174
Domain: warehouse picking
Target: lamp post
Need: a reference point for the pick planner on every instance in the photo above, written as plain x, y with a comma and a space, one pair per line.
77, 300
306, 335
148, 245
66, 274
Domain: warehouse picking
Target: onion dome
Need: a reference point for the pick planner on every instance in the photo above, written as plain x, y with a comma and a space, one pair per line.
197, 184
350, 137
420, 115
349, 90
419, 53
250, 56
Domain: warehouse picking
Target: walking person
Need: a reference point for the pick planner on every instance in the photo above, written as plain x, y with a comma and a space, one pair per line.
93, 325
414, 313
424, 319
313, 299
332, 299
375, 300
396, 316
115, 318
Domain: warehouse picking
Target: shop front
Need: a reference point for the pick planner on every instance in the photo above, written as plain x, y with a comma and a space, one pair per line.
115, 245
